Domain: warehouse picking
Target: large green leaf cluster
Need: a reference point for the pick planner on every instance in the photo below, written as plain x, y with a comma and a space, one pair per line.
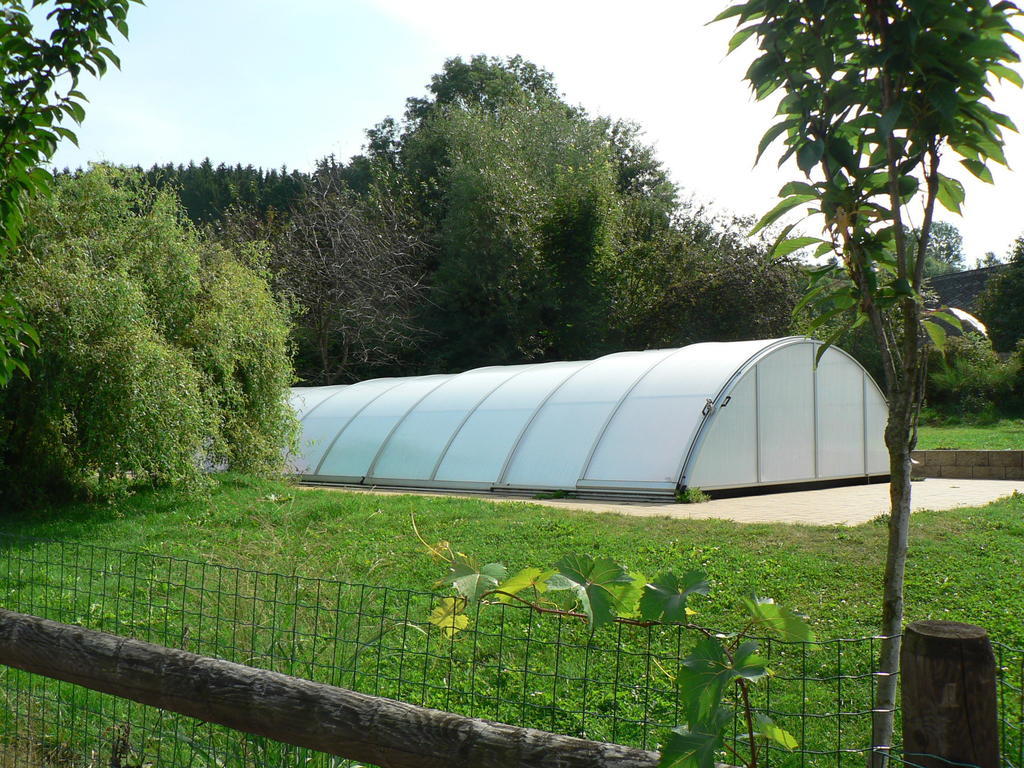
874, 94
547, 233
38, 93
713, 680
161, 354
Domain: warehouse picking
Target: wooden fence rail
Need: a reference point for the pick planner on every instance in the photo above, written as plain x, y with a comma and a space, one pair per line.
351, 725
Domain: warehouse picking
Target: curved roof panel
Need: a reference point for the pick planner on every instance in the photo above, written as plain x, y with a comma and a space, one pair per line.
631, 421
486, 440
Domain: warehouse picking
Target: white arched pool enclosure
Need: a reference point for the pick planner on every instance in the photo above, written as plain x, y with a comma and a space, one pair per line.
713, 415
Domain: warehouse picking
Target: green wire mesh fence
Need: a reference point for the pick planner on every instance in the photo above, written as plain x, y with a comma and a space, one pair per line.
510, 665
1010, 692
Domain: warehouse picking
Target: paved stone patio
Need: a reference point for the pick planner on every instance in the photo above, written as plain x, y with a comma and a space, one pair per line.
849, 505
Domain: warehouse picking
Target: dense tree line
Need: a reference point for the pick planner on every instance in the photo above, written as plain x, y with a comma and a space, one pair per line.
495, 223
491, 223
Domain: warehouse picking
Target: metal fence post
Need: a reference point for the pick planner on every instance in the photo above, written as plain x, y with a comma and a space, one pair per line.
949, 696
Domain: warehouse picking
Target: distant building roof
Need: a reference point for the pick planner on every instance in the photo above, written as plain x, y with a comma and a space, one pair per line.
961, 289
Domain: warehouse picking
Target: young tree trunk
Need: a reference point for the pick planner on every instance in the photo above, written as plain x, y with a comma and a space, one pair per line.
900, 436
892, 600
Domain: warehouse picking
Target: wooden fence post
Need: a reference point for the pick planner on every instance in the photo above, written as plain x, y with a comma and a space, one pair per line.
949, 696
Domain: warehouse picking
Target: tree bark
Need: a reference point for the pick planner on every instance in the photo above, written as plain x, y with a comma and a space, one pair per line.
892, 597
900, 438
352, 725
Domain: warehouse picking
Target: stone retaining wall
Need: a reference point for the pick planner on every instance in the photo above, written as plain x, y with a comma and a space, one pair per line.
977, 465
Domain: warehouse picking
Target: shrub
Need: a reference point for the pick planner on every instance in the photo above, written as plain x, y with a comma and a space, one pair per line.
969, 379
159, 352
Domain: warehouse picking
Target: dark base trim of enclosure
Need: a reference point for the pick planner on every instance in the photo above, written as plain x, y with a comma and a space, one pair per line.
809, 485
602, 495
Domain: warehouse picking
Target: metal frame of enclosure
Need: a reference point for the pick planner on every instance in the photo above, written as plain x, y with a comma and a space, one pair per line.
713, 415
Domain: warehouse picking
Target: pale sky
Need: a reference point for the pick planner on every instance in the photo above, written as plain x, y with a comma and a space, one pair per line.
269, 84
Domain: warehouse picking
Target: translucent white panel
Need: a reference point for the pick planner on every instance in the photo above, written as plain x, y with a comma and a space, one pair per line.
559, 440
876, 416
785, 405
651, 432
623, 421
313, 435
840, 416
416, 445
478, 452
322, 423
728, 453
305, 399
358, 444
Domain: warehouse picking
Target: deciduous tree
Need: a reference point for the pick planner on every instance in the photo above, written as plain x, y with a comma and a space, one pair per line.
945, 251
1001, 304
877, 95
354, 269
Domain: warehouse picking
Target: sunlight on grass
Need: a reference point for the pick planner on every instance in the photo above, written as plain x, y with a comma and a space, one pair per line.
1003, 435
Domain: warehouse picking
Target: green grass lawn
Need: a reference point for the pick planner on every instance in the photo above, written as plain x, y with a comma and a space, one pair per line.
964, 565
1004, 434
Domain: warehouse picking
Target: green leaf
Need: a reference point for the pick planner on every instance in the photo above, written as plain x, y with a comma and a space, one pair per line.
747, 664
449, 616
790, 625
767, 729
944, 98
936, 333
528, 577
111, 56
665, 599
741, 37
902, 287
888, 120
810, 296
627, 596
702, 679
830, 340
824, 248
845, 298
732, 10
697, 748
783, 207
1005, 73
75, 111
809, 154
771, 135
948, 317
825, 318
907, 186
979, 169
795, 244
797, 188
471, 581
950, 194
590, 581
